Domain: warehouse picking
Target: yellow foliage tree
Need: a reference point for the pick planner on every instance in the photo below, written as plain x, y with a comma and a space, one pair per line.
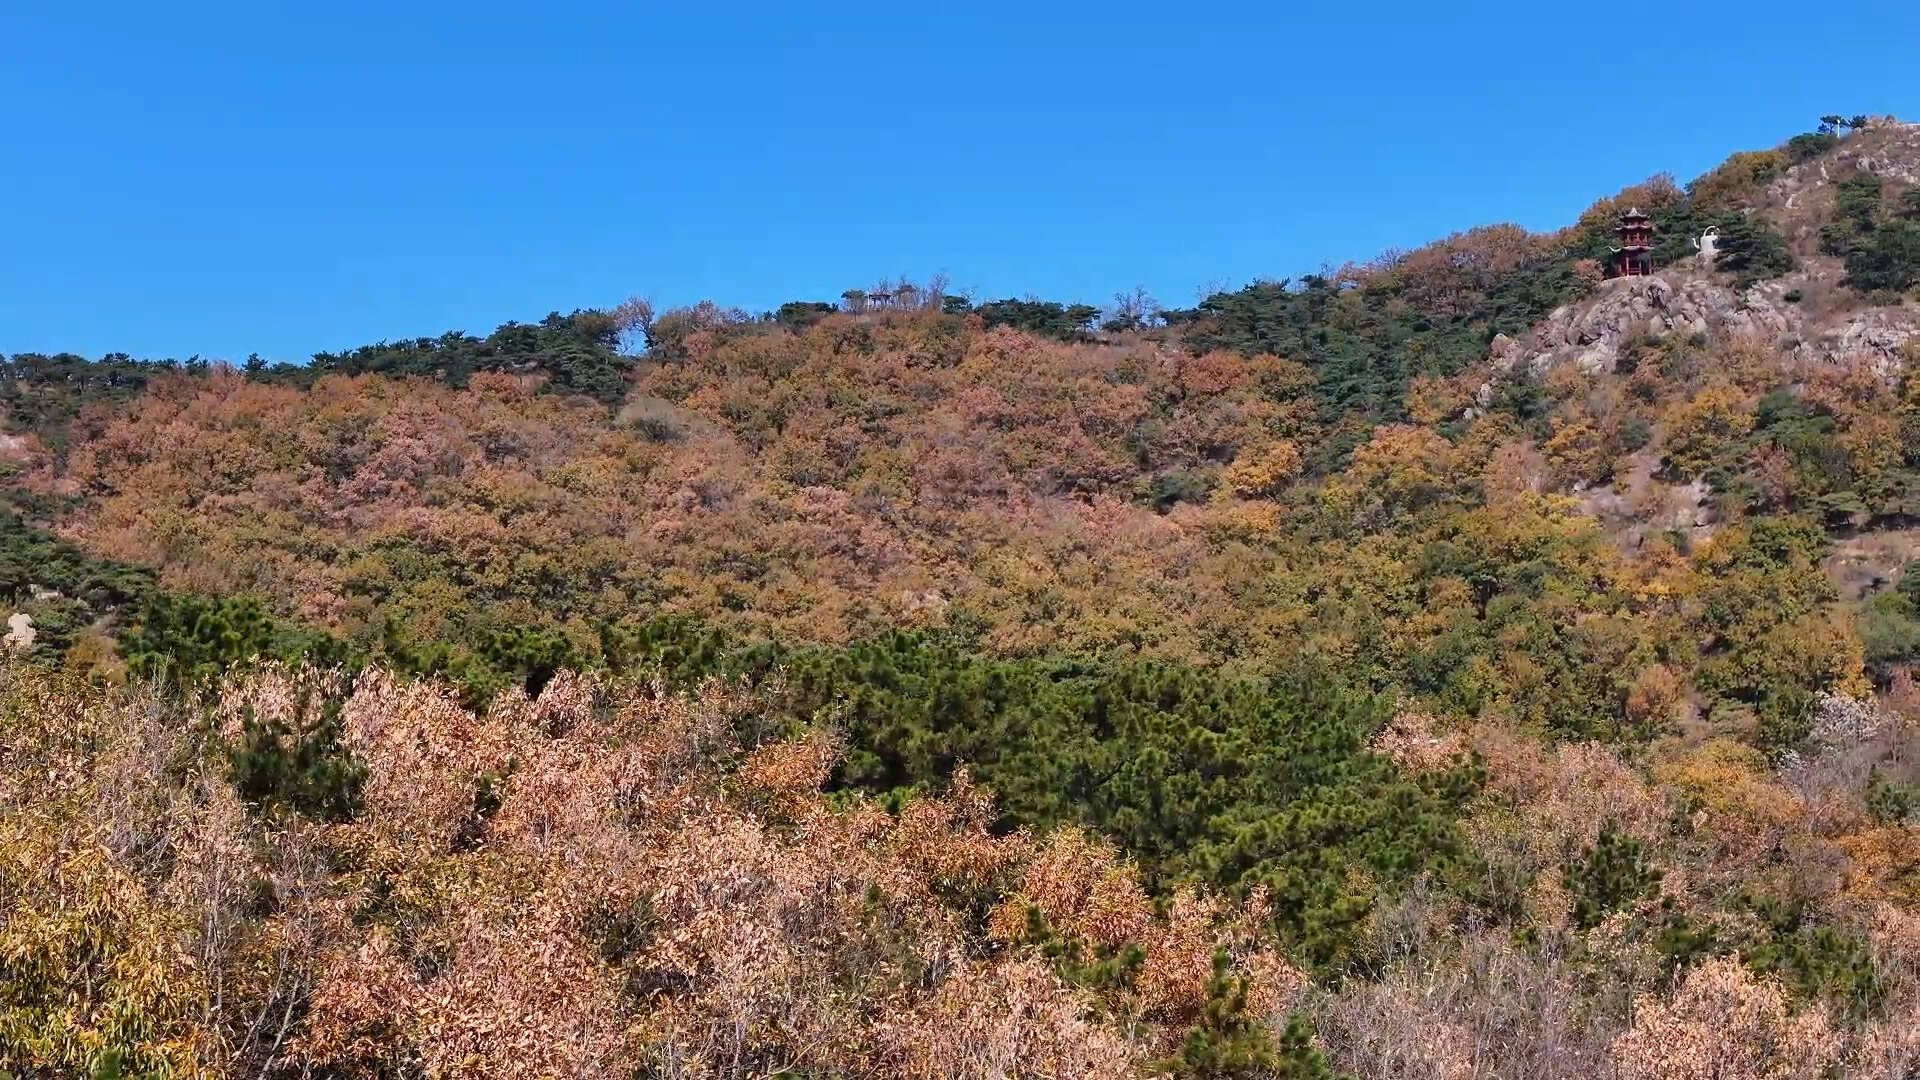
1262, 470
1703, 430
1577, 451
1401, 468
1735, 182
1654, 695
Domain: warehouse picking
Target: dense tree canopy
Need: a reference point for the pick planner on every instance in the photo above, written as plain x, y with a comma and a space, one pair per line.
910, 686
576, 353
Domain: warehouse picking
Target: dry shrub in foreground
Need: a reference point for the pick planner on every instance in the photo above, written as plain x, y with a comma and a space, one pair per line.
1725, 1024
1481, 1008
603, 881
616, 880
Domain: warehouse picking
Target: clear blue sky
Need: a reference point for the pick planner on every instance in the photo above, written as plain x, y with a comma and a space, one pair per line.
225, 178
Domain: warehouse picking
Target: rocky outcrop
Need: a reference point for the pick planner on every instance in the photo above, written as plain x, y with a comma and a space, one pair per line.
1590, 333
1882, 337
1803, 195
1809, 315
1885, 147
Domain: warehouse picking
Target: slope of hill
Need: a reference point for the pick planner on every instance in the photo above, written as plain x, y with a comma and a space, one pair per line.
1462, 612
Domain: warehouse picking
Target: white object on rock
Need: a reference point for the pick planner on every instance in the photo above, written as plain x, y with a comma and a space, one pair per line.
1708, 245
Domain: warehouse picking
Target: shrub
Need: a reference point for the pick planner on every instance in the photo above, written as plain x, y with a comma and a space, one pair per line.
1614, 871
297, 761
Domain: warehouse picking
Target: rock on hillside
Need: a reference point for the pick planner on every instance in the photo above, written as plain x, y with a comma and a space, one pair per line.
1589, 333
1689, 301
1825, 323
1803, 196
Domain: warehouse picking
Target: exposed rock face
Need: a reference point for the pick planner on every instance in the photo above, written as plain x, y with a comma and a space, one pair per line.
1885, 148
1689, 299
1880, 336
1803, 196
1590, 333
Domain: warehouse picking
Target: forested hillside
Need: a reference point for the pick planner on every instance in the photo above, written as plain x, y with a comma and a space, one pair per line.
1463, 663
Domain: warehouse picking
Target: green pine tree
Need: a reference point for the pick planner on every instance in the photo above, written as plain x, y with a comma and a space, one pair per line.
1230, 1043
1612, 873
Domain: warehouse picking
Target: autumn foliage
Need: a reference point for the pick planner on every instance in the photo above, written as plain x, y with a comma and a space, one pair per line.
1293, 686
613, 878
601, 880
910, 471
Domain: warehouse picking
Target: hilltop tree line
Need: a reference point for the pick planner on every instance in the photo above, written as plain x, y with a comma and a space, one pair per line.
1365, 330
